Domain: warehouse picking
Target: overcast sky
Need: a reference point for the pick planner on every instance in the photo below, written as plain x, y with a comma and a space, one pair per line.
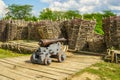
83, 6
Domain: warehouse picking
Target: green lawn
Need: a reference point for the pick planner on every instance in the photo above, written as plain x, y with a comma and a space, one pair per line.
8, 53
106, 71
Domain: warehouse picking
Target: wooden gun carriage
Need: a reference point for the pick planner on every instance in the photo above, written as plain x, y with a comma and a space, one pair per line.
49, 49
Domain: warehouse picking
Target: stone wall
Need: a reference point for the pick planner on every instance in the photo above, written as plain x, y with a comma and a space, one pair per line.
13, 30
44, 30
20, 30
79, 33
81, 36
111, 27
2, 31
97, 43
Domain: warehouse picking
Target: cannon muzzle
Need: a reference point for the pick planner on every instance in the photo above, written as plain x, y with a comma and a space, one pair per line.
47, 42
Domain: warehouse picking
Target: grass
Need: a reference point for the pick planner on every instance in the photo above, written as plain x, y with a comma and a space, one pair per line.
8, 53
104, 70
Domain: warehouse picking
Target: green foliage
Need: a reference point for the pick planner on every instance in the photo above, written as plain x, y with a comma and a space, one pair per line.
55, 15
72, 14
8, 53
87, 16
46, 14
19, 11
32, 18
106, 71
24, 12
58, 15
108, 13
98, 17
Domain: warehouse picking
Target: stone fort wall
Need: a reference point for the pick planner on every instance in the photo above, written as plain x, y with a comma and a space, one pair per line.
79, 33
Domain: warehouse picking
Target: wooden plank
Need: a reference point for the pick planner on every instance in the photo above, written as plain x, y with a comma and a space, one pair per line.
18, 60
67, 61
57, 72
87, 53
39, 71
3, 77
70, 61
64, 66
13, 74
45, 68
27, 72
22, 67
77, 65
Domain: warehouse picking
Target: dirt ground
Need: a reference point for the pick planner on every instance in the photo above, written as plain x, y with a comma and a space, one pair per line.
86, 76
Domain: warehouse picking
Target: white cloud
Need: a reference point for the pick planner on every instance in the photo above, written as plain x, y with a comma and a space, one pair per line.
115, 7
84, 6
35, 13
48, 1
2, 8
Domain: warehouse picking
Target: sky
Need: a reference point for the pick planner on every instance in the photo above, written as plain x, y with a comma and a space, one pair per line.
83, 6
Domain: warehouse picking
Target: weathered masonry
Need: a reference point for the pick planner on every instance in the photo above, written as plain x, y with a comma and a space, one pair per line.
80, 33
23, 30
111, 27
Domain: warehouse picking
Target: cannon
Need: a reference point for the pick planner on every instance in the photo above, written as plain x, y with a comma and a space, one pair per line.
48, 49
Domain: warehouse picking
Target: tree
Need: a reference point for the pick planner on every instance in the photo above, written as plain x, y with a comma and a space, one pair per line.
108, 13
88, 16
72, 14
98, 17
98, 28
31, 18
54, 15
19, 11
57, 15
46, 14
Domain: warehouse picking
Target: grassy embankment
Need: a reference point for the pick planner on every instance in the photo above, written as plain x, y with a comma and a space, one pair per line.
103, 71
8, 53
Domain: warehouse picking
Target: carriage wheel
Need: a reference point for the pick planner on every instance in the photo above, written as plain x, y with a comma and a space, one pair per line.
32, 59
61, 57
47, 61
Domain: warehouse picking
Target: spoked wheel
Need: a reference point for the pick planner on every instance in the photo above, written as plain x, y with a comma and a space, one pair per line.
61, 57
47, 61
32, 59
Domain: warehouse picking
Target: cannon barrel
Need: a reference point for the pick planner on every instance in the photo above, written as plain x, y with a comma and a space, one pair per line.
47, 42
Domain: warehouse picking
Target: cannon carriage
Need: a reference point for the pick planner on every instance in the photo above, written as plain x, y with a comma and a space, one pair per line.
49, 49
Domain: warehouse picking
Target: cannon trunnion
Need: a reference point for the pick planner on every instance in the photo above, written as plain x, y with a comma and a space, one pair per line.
49, 49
